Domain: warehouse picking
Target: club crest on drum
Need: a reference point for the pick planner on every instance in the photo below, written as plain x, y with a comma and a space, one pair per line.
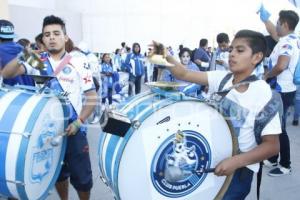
42, 157
175, 162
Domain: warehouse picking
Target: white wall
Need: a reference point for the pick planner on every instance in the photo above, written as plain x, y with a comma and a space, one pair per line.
27, 16
4, 13
104, 24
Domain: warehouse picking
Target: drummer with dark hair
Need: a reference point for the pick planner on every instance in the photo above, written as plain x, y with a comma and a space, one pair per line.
73, 77
247, 101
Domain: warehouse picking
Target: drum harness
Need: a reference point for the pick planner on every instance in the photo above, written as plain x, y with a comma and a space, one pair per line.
267, 113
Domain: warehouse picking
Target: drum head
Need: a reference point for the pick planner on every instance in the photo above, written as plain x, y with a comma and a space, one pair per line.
28, 121
42, 160
186, 136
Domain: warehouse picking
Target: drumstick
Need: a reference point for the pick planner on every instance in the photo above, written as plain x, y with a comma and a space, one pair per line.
174, 174
56, 139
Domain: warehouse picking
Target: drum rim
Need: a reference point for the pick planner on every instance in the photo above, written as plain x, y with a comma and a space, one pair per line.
235, 151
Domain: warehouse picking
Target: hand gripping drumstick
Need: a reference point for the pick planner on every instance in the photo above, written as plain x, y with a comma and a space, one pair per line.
57, 139
174, 174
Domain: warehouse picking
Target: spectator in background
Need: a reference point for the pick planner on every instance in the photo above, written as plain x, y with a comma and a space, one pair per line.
220, 57
283, 61
107, 79
25, 43
135, 66
39, 43
201, 57
9, 50
185, 59
117, 63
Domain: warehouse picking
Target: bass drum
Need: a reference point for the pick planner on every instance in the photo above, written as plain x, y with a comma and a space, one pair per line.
29, 164
172, 139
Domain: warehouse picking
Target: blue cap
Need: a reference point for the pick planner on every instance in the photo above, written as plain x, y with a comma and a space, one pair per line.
6, 29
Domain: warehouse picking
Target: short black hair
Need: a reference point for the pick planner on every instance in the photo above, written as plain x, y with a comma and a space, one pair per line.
290, 17
222, 37
24, 42
51, 19
256, 41
203, 42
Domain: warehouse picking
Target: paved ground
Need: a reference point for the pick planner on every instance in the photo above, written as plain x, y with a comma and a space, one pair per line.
287, 187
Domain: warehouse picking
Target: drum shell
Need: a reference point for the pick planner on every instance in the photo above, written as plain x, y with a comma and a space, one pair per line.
28, 119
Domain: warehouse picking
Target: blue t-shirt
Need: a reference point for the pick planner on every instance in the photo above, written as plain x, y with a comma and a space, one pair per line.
201, 54
8, 51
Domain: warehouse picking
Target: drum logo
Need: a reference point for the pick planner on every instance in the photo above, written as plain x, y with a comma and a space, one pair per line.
42, 158
175, 163
67, 70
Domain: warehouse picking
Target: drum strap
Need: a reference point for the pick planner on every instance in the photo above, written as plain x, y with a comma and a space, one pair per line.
62, 64
223, 93
267, 113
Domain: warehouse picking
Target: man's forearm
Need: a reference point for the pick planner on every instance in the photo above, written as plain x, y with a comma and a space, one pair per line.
89, 106
12, 69
178, 70
198, 62
271, 30
274, 72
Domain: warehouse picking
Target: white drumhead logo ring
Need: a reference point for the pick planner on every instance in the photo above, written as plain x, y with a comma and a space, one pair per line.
176, 160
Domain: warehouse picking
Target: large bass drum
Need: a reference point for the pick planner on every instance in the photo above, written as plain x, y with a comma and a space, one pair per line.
29, 119
173, 138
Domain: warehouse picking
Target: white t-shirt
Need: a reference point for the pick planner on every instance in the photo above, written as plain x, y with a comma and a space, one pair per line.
288, 46
248, 104
223, 56
75, 78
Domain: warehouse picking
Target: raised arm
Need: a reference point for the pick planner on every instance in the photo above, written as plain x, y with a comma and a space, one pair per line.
182, 73
265, 18
175, 67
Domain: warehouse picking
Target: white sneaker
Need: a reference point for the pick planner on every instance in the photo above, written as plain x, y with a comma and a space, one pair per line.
269, 164
280, 171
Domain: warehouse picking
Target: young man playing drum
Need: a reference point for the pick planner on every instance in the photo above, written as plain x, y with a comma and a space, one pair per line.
246, 94
75, 78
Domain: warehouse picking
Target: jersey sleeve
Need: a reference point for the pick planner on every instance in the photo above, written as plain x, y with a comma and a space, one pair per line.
85, 72
273, 127
286, 49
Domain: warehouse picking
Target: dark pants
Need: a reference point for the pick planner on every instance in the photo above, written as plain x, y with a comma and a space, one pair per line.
77, 164
240, 185
136, 80
285, 161
109, 96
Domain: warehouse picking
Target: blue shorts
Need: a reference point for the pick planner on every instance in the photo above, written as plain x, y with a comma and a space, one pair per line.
77, 164
240, 185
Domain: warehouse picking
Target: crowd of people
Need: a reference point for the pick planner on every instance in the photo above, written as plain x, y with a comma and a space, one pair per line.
91, 80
